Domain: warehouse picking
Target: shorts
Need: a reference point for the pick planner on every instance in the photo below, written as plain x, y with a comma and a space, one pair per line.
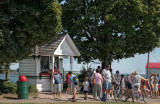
107, 85
136, 84
74, 88
152, 86
155, 87
123, 86
85, 92
57, 88
129, 85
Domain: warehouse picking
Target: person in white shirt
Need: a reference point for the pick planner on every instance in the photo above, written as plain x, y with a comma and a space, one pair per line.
107, 80
118, 78
122, 84
86, 88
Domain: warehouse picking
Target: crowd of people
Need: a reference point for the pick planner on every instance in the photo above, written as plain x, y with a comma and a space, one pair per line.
101, 82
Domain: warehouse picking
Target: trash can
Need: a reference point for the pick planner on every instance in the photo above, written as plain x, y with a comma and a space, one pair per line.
23, 89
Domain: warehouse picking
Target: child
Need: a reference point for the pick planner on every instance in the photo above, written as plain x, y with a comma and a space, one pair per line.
85, 88
122, 83
74, 81
58, 84
151, 81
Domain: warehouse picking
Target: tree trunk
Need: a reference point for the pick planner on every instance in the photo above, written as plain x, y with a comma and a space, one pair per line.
7, 72
105, 63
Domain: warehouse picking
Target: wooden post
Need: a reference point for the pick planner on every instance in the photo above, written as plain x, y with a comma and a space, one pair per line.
7, 68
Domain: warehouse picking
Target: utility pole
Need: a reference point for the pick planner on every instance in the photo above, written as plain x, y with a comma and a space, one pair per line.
148, 66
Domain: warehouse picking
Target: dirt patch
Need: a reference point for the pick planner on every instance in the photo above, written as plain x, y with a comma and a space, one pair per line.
15, 96
49, 98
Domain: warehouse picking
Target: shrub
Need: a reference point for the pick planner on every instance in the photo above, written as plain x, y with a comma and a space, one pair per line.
32, 89
82, 74
8, 87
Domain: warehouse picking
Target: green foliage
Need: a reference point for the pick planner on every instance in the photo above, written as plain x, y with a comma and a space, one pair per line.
25, 24
8, 87
32, 89
82, 74
112, 29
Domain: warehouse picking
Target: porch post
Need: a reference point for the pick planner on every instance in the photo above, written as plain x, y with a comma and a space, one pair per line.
60, 68
71, 67
71, 63
52, 80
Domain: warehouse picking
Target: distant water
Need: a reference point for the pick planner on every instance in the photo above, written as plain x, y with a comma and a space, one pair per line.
13, 77
143, 75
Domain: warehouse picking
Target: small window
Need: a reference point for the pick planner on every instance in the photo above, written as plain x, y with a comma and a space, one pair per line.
44, 64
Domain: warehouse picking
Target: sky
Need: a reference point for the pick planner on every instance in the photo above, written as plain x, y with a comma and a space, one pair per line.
125, 66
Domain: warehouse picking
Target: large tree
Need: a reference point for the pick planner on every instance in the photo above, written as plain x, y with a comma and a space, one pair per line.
112, 29
25, 24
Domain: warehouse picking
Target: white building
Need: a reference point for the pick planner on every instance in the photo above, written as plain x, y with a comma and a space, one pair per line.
153, 68
38, 66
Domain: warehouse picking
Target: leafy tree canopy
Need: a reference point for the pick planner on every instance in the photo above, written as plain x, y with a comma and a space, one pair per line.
112, 29
25, 24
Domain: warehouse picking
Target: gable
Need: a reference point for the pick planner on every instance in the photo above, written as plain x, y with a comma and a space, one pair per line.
49, 48
67, 48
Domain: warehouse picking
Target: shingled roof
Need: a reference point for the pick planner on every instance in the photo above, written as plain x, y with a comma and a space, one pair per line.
52, 46
62, 45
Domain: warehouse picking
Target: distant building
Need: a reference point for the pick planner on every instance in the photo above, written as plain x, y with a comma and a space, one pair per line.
153, 68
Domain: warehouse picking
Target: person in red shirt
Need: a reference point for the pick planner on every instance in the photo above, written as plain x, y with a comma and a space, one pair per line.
67, 81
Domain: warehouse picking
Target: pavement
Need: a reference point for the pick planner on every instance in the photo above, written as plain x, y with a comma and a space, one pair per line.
47, 97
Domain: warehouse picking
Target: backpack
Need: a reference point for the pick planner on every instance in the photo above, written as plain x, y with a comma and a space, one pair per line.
75, 80
103, 98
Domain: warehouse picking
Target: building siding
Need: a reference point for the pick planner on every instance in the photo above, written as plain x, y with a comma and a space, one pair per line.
154, 70
27, 67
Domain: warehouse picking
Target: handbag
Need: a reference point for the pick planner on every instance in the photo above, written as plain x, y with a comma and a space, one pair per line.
94, 81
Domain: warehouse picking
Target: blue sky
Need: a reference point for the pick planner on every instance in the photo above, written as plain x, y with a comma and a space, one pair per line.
124, 66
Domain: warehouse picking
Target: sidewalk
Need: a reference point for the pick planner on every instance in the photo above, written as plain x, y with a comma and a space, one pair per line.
47, 97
